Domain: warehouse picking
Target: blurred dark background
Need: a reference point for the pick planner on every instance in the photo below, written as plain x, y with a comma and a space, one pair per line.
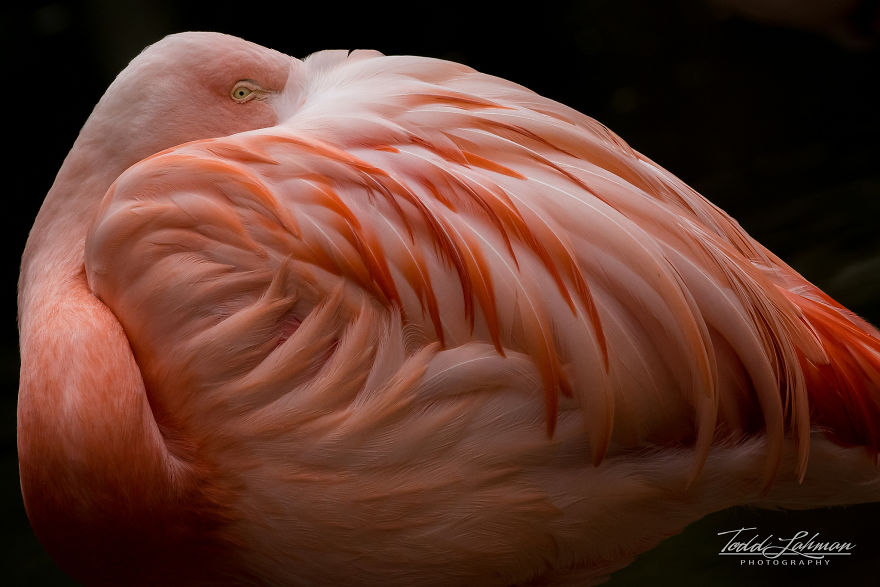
769, 108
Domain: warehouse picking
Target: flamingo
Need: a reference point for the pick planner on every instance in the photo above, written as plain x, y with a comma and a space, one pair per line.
388, 320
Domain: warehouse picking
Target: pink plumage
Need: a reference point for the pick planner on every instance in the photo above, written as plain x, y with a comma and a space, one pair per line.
362, 318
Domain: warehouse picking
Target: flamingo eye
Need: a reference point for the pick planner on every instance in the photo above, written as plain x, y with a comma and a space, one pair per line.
243, 91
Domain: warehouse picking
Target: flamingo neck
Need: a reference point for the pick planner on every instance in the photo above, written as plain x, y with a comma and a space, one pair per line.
99, 485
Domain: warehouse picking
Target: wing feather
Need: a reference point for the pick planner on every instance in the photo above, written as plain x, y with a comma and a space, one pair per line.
408, 194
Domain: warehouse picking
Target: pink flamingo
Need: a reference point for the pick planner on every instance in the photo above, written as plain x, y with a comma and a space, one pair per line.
389, 320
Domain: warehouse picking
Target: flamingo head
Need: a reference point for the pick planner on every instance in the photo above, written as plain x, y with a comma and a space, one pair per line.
188, 86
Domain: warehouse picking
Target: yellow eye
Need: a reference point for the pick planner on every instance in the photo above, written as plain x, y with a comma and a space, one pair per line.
243, 91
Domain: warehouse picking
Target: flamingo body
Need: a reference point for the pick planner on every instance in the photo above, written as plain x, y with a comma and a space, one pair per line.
392, 320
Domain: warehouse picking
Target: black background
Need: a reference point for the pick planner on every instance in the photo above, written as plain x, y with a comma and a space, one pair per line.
774, 118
